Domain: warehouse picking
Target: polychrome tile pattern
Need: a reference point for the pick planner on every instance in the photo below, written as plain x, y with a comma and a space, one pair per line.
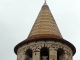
45, 24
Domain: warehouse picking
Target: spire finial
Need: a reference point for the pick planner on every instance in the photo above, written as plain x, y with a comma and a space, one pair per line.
45, 3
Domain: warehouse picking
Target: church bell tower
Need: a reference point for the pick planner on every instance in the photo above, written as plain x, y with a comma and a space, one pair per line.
45, 41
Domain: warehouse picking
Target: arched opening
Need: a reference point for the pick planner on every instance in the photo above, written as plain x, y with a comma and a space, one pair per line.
44, 53
29, 54
60, 53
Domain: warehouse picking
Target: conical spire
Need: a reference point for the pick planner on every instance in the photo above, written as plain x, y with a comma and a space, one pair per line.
45, 25
45, 28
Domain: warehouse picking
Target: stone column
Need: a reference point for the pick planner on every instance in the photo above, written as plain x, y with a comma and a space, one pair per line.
65, 56
21, 56
52, 54
36, 55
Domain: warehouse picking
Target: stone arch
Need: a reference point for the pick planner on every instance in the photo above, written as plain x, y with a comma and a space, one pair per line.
44, 53
59, 46
28, 54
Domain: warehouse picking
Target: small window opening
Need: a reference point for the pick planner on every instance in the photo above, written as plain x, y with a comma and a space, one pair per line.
29, 54
44, 53
60, 53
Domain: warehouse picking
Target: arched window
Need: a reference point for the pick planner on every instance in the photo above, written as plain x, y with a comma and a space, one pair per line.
44, 53
60, 53
28, 54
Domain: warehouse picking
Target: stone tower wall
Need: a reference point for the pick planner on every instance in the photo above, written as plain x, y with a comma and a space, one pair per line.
51, 45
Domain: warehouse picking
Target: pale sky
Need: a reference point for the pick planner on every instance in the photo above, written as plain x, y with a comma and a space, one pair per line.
17, 18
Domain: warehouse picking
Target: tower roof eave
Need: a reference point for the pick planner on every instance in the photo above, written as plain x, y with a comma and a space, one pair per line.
26, 41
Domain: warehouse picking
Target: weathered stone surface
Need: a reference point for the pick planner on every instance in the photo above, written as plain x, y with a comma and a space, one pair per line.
51, 45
